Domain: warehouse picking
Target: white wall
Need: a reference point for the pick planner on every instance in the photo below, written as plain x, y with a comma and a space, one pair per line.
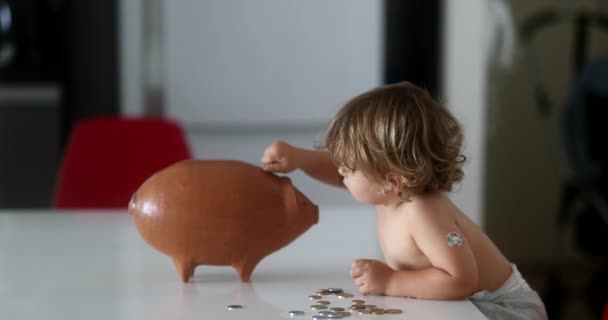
259, 63
130, 57
464, 83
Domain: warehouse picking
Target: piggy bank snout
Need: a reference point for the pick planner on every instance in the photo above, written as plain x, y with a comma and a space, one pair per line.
314, 213
307, 208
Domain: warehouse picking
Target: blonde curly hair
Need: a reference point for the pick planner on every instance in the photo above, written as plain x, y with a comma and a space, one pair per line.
398, 130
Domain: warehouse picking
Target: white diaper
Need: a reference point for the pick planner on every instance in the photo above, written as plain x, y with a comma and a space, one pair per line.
513, 300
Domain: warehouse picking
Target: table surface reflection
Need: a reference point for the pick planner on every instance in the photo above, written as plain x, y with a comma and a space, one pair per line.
94, 265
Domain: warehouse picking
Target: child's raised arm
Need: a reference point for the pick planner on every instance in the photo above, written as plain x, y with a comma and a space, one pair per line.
283, 157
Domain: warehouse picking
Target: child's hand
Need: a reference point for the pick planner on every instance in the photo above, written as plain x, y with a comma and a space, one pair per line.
370, 276
279, 157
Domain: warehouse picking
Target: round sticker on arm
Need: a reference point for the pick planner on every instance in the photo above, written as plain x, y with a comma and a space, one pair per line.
454, 239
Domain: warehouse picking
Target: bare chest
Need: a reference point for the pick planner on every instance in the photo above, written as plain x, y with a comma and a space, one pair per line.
399, 249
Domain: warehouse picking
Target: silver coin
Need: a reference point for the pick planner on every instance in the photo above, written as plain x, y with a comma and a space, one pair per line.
393, 311
296, 313
334, 315
325, 302
378, 311
235, 307
359, 301
314, 297
335, 290
318, 307
337, 309
325, 312
344, 295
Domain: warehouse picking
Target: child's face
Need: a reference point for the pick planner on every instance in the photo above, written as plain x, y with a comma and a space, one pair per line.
362, 189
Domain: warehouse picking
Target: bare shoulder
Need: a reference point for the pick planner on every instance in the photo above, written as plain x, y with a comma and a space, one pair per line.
454, 243
439, 213
432, 218
430, 208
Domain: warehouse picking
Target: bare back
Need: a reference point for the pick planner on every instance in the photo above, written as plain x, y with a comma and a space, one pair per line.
403, 253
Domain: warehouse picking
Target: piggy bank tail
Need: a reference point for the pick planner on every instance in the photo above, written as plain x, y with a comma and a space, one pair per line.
132, 202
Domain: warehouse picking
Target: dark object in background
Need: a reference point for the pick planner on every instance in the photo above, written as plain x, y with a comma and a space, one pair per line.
584, 187
92, 86
60, 65
70, 43
412, 42
584, 123
590, 220
33, 70
33, 42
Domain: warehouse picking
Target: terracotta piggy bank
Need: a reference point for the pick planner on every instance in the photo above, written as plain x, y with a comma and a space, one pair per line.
219, 212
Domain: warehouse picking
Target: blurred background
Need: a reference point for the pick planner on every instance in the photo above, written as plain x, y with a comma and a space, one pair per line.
525, 78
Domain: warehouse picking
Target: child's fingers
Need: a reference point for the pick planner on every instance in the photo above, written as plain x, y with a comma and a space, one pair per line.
273, 167
357, 268
359, 263
364, 289
359, 282
269, 166
269, 157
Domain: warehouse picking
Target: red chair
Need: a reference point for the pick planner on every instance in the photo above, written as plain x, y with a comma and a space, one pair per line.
108, 158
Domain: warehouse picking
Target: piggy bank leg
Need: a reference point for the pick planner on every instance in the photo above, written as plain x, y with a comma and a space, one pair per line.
185, 268
245, 268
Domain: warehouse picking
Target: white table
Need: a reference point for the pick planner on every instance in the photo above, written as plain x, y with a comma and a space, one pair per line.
94, 265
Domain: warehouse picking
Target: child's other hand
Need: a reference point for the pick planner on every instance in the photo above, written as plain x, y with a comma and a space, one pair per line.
279, 157
370, 276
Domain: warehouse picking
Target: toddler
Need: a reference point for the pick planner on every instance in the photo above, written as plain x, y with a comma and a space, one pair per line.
399, 150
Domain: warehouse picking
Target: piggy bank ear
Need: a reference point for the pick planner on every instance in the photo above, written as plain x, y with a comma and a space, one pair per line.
294, 199
290, 196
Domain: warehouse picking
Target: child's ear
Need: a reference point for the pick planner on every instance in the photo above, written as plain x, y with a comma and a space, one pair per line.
395, 183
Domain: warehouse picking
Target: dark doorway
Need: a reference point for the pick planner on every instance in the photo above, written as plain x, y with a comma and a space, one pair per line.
412, 42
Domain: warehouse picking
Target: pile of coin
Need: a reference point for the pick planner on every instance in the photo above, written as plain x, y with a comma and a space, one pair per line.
360, 307
357, 307
326, 312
